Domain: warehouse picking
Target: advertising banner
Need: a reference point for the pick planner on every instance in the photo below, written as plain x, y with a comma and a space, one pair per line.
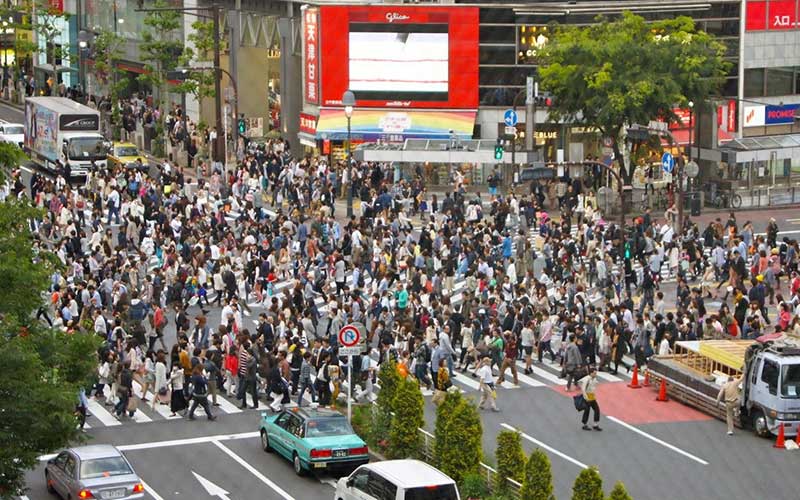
780, 115
311, 55
395, 125
398, 56
771, 15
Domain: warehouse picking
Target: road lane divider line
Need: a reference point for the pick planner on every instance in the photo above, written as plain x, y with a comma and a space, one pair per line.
546, 447
657, 440
264, 479
150, 491
176, 442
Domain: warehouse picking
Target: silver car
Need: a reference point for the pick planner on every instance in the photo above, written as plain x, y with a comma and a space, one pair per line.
97, 471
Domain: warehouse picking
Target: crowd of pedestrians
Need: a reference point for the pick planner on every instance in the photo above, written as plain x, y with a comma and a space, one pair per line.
238, 282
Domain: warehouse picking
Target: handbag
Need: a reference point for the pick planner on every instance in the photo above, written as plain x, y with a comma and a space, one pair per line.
163, 391
579, 401
438, 397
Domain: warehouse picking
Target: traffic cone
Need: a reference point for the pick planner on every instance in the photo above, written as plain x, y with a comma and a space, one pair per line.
662, 391
781, 441
646, 382
635, 379
797, 437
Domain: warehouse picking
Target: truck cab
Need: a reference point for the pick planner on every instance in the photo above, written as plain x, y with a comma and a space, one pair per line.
81, 149
771, 388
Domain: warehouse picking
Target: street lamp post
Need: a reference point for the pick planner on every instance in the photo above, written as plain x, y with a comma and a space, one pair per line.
680, 169
349, 101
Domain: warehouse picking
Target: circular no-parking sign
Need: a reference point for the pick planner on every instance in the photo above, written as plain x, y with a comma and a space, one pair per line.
349, 336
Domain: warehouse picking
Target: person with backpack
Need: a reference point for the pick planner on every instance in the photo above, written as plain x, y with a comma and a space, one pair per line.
422, 358
158, 320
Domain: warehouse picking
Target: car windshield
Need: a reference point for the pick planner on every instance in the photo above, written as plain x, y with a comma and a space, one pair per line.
325, 427
14, 130
87, 148
127, 151
104, 467
440, 492
790, 381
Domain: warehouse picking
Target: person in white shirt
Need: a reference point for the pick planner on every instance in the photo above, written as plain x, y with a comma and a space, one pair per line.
486, 387
663, 347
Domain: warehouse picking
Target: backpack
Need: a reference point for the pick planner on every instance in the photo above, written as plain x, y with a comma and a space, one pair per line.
427, 353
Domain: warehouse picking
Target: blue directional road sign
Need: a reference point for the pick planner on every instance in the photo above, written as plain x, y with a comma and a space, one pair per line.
667, 162
510, 118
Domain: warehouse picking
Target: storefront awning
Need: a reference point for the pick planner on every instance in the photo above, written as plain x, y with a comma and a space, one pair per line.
395, 125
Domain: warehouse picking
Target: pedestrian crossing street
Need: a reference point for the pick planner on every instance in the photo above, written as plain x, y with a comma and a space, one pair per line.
545, 374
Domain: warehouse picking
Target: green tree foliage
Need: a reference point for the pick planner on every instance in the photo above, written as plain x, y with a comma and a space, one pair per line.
11, 156
537, 483
510, 457
588, 485
443, 412
458, 448
626, 71
200, 83
404, 438
473, 486
389, 379
41, 369
619, 492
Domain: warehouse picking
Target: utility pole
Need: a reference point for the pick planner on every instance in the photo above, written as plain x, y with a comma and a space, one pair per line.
234, 23
219, 146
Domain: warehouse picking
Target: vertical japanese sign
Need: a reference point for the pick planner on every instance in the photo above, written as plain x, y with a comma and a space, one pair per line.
311, 46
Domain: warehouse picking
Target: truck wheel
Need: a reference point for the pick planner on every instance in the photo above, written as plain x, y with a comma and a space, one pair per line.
760, 424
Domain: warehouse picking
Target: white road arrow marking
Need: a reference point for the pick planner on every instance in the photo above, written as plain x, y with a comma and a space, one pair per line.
211, 488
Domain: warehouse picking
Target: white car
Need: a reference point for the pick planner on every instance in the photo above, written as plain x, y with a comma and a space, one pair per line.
13, 133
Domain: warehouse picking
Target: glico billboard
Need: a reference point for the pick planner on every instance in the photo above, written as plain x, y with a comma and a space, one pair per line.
391, 57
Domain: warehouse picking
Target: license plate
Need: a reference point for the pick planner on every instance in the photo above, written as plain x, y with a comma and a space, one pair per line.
113, 494
320, 465
339, 453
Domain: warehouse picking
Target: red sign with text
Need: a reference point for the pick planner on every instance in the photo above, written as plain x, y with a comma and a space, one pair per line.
311, 52
399, 56
731, 116
308, 124
771, 15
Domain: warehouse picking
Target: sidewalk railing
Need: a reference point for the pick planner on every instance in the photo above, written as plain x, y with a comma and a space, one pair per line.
513, 487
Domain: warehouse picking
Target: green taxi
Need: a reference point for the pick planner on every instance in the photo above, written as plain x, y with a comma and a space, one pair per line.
313, 439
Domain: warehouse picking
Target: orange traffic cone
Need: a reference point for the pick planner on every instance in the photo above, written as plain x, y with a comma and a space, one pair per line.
646, 382
797, 438
662, 391
781, 441
635, 379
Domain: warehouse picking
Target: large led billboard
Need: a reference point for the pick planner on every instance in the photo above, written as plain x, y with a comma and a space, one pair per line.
399, 57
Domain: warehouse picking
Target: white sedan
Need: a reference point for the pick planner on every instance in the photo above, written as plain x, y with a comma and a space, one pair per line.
13, 133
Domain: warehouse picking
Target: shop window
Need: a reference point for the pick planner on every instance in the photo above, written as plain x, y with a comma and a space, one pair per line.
780, 81
754, 82
497, 96
497, 34
491, 75
496, 55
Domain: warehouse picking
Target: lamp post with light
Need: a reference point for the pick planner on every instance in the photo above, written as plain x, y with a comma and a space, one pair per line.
349, 101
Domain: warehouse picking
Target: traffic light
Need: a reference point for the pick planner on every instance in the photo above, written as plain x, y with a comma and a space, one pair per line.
628, 250
498, 151
242, 125
544, 100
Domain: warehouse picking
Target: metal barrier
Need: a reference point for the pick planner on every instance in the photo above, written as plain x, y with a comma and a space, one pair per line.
487, 472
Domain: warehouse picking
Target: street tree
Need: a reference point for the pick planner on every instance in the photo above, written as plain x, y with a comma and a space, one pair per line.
48, 23
509, 456
617, 73
588, 485
619, 492
459, 449
537, 483
389, 378
200, 83
112, 81
41, 368
409, 416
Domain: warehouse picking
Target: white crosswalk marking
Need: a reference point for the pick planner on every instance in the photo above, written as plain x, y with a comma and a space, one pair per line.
539, 371
99, 412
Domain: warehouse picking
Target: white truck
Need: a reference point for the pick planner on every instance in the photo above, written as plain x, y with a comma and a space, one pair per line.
60, 131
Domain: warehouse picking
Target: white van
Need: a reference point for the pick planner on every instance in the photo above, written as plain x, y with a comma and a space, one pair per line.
396, 480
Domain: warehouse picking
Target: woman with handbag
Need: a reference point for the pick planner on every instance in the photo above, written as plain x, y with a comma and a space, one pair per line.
488, 392
160, 385
588, 386
177, 402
